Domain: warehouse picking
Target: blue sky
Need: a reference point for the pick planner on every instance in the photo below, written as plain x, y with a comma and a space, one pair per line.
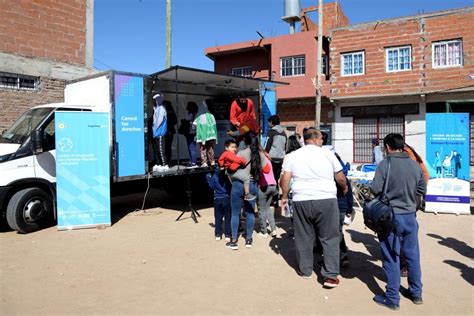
129, 35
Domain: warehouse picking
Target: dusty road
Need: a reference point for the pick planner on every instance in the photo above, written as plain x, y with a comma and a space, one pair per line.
151, 264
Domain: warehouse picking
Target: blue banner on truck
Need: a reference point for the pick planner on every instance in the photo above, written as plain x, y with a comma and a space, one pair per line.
447, 157
82, 169
129, 125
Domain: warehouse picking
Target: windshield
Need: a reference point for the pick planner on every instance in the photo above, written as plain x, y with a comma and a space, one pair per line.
28, 122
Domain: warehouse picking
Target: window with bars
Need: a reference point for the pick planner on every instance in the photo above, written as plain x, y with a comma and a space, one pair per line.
366, 129
325, 65
447, 54
242, 71
18, 82
398, 59
352, 63
292, 66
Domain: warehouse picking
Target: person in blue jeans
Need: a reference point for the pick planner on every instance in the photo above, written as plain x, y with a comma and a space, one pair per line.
405, 181
220, 184
253, 153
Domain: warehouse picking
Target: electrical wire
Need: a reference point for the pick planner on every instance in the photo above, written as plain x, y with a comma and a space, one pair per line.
142, 210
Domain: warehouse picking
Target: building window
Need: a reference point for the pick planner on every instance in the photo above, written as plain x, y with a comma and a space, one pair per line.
242, 71
18, 82
352, 64
447, 54
366, 129
292, 66
325, 65
398, 58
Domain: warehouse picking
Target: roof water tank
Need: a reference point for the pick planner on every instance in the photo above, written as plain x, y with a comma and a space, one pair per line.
292, 10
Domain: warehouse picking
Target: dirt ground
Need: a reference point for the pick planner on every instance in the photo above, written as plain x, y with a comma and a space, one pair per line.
147, 263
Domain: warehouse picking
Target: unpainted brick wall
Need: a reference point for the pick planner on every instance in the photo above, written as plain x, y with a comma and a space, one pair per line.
419, 33
14, 102
303, 115
53, 30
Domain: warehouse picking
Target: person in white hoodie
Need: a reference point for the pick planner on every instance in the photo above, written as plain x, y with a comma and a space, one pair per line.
160, 129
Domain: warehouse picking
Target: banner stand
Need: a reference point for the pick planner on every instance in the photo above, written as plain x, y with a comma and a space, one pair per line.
82, 170
447, 160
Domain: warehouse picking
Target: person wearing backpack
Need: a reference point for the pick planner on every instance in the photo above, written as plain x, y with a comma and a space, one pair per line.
276, 145
405, 181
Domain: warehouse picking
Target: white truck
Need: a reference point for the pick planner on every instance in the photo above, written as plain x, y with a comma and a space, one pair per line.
27, 148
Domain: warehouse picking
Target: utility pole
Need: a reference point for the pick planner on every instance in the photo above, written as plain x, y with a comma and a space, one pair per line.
317, 119
168, 33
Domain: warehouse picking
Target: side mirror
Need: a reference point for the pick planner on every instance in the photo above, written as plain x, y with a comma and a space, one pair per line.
37, 141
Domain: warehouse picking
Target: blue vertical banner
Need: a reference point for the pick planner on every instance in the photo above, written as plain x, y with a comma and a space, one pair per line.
129, 125
447, 159
82, 169
268, 93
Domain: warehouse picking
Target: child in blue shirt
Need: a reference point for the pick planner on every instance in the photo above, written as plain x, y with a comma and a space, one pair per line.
219, 182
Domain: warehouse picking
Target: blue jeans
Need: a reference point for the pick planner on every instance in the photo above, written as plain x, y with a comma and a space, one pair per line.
236, 200
222, 211
403, 239
190, 139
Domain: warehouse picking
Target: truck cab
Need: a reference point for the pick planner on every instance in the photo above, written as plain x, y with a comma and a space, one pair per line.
28, 168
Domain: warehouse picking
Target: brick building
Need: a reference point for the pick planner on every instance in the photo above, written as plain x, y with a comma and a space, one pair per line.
287, 58
42, 44
382, 76
386, 75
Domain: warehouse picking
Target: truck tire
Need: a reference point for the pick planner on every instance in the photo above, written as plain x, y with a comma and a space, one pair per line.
29, 210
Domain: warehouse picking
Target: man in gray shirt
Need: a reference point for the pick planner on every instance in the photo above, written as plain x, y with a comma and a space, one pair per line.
404, 184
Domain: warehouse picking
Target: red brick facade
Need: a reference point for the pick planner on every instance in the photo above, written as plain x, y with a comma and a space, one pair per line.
13, 102
46, 40
52, 30
418, 33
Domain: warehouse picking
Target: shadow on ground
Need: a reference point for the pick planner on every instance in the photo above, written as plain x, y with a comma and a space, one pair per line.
467, 272
169, 193
457, 245
362, 265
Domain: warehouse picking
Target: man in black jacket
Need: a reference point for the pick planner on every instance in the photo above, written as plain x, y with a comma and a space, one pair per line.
405, 181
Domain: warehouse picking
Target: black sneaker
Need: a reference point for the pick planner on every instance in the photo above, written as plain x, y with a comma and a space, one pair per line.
248, 243
383, 301
417, 300
232, 245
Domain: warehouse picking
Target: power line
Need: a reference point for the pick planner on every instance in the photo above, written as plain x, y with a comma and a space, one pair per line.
102, 63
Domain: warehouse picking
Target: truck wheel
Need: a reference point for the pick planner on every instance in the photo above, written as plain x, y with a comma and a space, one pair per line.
29, 210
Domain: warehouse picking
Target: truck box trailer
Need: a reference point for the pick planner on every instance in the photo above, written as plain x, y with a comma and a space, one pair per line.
27, 149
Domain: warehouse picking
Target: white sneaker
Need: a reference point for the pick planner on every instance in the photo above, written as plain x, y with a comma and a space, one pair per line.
218, 238
348, 219
165, 168
227, 239
204, 165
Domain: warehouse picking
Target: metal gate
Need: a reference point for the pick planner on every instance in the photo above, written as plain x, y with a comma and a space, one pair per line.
366, 129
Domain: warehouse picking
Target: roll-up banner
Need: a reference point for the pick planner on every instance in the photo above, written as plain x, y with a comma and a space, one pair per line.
268, 94
447, 157
129, 125
82, 169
